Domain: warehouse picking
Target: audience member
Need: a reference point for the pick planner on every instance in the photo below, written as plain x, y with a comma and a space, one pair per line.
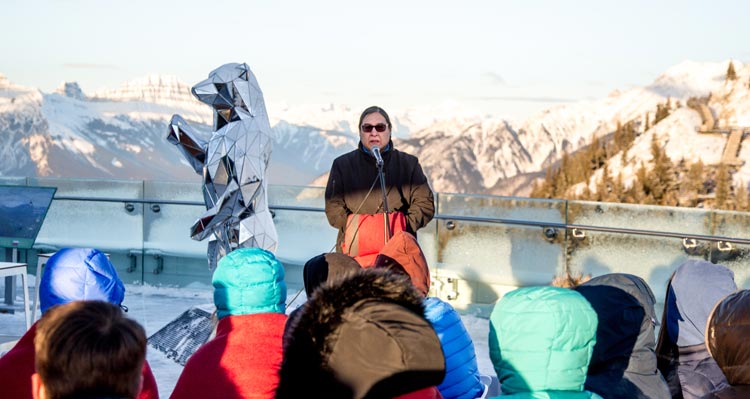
243, 360
403, 254
88, 349
570, 280
541, 341
362, 337
692, 292
353, 204
727, 331
623, 365
71, 274
320, 269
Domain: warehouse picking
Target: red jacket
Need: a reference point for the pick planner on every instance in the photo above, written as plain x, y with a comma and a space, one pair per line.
242, 361
17, 366
427, 393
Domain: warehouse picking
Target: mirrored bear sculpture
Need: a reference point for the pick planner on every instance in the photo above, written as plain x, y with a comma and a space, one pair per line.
233, 163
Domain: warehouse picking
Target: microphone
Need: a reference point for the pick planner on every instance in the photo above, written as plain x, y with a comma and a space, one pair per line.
376, 154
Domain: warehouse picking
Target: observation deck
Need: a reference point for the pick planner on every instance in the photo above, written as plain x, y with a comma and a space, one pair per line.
478, 247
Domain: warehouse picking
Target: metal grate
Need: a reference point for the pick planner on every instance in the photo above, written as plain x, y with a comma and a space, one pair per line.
181, 337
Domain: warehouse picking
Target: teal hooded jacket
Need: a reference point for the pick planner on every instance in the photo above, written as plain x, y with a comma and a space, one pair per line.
541, 342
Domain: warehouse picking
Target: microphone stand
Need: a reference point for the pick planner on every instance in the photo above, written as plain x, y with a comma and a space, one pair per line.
381, 176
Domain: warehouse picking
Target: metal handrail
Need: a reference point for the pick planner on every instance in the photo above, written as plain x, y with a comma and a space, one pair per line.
480, 219
128, 200
583, 227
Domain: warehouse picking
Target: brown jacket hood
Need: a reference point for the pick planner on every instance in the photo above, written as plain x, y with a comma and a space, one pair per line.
403, 250
727, 331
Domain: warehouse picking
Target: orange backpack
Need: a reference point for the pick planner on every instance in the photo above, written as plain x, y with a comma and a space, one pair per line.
365, 235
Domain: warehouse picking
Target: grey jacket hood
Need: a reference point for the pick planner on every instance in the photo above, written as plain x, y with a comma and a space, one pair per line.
693, 292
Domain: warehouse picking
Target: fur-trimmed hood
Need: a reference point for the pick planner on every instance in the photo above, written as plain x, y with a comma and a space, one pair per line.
363, 337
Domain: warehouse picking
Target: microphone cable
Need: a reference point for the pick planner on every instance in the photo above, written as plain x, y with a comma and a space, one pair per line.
354, 213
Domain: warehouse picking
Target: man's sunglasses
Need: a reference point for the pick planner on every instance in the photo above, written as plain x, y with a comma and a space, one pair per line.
380, 127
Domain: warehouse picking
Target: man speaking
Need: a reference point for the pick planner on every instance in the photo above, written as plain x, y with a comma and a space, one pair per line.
355, 203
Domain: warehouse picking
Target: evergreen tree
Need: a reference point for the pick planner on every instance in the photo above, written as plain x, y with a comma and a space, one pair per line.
628, 138
619, 136
662, 176
694, 182
606, 187
662, 111
535, 190
618, 189
731, 73
723, 187
693, 185
741, 200
637, 193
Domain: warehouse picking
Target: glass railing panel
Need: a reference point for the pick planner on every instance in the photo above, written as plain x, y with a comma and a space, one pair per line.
12, 181
487, 254
302, 233
170, 256
733, 255
114, 227
653, 258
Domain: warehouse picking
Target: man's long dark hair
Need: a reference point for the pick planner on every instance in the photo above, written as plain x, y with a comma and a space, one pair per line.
371, 110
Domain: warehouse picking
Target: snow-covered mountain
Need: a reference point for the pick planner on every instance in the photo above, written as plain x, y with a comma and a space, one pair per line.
120, 133
678, 134
494, 156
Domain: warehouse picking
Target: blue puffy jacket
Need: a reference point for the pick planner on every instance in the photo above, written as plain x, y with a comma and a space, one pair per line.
76, 274
461, 370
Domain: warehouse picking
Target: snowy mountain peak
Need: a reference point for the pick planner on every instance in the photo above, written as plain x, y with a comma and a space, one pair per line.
13, 95
72, 90
120, 132
152, 88
693, 79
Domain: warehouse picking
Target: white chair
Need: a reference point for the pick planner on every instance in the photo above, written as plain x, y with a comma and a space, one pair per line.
8, 269
41, 261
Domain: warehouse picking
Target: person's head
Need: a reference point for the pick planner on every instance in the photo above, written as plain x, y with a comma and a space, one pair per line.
726, 336
374, 128
695, 287
88, 349
402, 254
541, 339
327, 268
625, 343
249, 281
78, 274
570, 280
364, 336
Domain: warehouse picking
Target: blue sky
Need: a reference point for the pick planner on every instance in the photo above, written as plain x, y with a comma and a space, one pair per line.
509, 58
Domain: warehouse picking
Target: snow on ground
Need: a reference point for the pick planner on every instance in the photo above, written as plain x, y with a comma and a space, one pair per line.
154, 307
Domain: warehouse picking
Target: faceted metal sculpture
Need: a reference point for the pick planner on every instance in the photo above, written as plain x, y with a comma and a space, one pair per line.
233, 163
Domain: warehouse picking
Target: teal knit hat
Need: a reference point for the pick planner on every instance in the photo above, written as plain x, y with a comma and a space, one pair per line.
248, 281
